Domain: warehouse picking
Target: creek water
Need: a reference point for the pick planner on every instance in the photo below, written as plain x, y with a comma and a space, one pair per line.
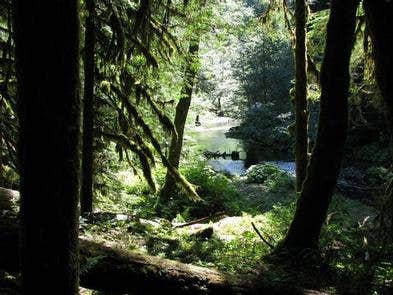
210, 136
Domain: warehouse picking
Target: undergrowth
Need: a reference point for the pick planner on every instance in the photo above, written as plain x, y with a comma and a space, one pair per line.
347, 239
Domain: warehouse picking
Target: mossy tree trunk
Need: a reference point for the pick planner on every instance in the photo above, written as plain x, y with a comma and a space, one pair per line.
325, 162
301, 144
88, 111
380, 25
182, 108
47, 60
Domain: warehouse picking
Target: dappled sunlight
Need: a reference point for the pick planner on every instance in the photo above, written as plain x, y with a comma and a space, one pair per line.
196, 147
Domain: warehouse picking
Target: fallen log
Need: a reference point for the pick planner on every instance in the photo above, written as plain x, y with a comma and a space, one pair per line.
116, 271
111, 270
235, 155
358, 192
8, 198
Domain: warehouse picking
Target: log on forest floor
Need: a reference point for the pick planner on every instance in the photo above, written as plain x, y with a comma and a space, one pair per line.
115, 271
124, 272
357, 191
8, 199
107, 269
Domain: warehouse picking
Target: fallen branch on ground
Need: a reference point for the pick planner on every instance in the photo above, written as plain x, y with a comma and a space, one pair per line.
218, 214
260, 235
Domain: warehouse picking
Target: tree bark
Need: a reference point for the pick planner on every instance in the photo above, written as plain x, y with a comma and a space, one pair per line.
47, 62
325, 162
301, 144
380, 24
180, 119
88, 111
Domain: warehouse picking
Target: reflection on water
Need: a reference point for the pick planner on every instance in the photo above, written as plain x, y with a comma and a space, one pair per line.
216, 141
210, 136
225, 165
257, 154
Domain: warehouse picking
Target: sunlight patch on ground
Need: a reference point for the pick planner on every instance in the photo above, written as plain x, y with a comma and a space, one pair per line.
127, 177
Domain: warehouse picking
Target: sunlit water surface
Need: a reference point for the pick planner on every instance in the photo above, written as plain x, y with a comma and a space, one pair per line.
210, 136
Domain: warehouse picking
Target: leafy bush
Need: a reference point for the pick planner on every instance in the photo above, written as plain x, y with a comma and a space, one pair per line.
218, 193
260, 173
269, 175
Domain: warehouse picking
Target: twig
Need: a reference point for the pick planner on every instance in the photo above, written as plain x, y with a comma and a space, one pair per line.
260, 235
199, 220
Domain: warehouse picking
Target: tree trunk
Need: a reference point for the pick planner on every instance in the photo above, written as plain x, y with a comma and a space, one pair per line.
88, 111
47, 61
380, 24
325, 162
301, 95
180, 119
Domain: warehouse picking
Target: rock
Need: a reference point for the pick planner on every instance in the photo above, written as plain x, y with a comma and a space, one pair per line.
204, 234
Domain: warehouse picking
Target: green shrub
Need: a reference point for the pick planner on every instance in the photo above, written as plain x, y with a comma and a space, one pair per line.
269, 175
218, 193
260, 173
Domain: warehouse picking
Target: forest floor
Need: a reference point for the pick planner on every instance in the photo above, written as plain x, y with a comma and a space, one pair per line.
231, 243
